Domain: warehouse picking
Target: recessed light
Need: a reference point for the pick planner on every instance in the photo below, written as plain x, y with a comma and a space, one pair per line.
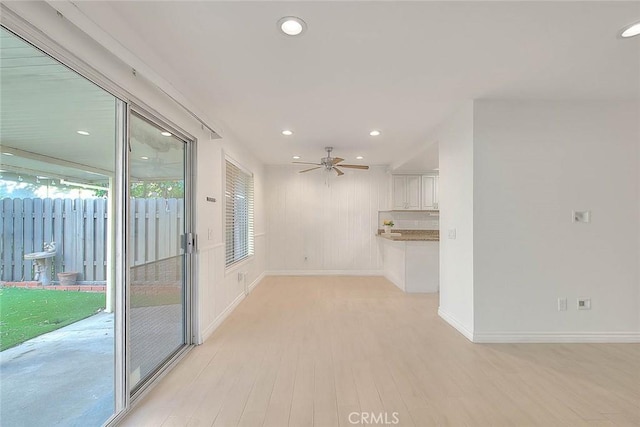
374, 133
82, 132
292, 25
631, 31
42, 177
144, 157
165, 133
287, 132
359, 158
296, 157
7, 154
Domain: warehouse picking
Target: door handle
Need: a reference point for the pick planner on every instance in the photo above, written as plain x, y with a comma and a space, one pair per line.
190, 242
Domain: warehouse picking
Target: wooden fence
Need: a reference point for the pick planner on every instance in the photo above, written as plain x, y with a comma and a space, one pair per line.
79, 229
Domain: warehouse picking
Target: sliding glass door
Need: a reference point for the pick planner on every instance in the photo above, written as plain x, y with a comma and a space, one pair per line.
59, 141
158, 221
95, 214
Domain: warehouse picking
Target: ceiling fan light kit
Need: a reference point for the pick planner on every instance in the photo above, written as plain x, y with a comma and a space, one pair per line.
329, 163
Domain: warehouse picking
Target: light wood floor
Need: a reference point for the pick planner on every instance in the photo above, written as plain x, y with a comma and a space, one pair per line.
310, 351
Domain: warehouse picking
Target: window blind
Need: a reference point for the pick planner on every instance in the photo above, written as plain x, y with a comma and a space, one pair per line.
238, 214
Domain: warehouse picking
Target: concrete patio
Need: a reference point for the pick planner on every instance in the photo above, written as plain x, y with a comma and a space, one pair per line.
62, 378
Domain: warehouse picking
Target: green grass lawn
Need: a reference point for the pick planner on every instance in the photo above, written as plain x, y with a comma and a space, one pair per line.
27, 313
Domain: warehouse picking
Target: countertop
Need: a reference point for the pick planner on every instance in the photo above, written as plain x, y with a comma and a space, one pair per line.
413, 235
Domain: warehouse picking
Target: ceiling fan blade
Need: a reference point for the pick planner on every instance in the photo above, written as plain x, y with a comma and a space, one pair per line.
336, 160
307, 163
355, 166
312, 169
339, 172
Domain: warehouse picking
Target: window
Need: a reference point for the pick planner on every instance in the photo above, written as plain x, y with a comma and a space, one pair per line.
239, 214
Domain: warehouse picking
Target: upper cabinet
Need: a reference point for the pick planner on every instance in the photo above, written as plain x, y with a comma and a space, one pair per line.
415, 192
406, 192
429, 199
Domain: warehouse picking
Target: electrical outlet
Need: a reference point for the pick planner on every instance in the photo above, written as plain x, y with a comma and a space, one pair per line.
562, 304
584, 303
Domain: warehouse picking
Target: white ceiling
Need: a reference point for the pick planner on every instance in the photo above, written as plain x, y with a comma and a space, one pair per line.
42, 106
400, 67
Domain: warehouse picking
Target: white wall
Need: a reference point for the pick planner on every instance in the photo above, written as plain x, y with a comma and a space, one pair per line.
217, 290
535, 162
333, 226
455, 138
221, 289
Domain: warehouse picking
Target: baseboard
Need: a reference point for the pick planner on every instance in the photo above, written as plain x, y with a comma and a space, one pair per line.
255, 282
325, 273
395, 280
456, 324
221, 317
556, 337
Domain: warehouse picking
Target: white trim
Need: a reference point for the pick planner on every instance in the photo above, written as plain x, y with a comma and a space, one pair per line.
557, 337
325, 273
74, 14
117, 418
237, 164
539, 337
395, 280
207, 248
206, 333
236, 265
255, 282
209, 330
456, 324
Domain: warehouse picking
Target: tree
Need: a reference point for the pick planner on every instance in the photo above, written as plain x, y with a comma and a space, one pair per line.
161, 189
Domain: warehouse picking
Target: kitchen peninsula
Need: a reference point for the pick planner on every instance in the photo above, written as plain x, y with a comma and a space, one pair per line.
412, 259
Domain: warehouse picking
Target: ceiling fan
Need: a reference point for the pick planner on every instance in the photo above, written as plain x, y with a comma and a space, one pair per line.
330, 163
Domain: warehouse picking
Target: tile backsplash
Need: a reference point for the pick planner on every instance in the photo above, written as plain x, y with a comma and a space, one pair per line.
411, 220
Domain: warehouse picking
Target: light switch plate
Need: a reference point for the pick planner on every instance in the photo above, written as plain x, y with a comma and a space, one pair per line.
452, 233
581, 216
562, 304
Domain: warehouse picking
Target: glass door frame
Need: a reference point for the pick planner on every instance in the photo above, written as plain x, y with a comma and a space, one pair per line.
125, 104
189, 251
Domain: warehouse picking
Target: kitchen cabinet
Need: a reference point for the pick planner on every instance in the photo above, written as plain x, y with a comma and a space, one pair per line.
406, 192
415, 192
429, 194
